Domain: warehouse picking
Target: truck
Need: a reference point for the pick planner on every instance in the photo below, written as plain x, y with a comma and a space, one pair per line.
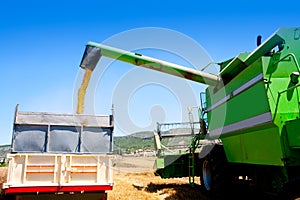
249, 115
61, 156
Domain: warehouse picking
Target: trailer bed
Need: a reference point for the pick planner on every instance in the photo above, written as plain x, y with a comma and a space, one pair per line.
55, 153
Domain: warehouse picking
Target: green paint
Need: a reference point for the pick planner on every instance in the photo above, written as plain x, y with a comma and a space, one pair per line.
292, 128
262, 144
159, 163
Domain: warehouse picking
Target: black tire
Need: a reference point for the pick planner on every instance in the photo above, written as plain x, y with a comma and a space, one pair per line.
206, 176
214, 171
290, 190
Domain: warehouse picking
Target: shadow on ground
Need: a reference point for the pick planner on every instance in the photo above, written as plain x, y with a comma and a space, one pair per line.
177, 191
185, 191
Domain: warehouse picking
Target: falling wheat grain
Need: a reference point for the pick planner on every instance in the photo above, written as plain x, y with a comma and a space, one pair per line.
82, 91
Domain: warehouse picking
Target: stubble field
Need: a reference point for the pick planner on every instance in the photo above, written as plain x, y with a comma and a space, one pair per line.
135, 179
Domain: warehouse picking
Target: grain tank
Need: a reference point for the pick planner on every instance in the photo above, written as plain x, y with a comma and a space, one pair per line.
252, 110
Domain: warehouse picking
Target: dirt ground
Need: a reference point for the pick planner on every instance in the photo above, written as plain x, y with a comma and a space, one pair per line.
3, 174
134, 179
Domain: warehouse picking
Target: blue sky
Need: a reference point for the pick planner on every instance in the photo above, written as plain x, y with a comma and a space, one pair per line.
42, 44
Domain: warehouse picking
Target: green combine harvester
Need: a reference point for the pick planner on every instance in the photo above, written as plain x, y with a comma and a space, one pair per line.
249, 127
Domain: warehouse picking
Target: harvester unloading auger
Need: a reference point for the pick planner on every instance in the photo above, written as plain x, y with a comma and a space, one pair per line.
252, 107
94, 51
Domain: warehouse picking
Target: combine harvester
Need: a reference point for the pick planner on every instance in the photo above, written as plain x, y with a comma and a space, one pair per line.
249, 117
60, 156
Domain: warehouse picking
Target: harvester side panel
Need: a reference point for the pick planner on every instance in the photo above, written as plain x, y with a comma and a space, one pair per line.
244, 120
254, 146
243, 98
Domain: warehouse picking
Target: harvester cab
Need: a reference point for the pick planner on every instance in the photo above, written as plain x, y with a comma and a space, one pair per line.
251, 106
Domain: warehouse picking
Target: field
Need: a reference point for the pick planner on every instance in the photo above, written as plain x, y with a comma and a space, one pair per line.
3, 174
134, 179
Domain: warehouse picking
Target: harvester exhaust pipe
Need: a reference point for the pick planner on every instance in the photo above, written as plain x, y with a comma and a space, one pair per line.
94, 51
258, 40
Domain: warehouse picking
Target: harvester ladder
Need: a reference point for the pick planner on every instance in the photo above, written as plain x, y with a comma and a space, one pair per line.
191, 168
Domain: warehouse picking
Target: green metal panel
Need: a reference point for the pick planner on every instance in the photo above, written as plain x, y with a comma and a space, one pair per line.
262, 146
213, 97
290, 143
253, 100
159, 163
241, 103
172, 166
293, 131
285, 105
234, 67
248, 104
283, 95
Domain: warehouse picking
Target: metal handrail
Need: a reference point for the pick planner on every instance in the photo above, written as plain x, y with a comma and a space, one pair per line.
279, 95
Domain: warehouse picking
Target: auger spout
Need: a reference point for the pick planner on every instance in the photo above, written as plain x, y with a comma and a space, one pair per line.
94, 51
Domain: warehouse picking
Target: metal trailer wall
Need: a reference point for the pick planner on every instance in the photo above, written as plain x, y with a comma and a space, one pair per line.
35, 132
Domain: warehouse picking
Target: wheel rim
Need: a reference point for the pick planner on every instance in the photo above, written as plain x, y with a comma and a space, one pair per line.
206, 174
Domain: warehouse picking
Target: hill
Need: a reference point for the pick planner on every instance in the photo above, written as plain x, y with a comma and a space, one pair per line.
143, 134
134, 142
4, 149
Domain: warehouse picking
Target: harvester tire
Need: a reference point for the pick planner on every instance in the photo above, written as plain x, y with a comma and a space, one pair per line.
206, 178
214, 171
